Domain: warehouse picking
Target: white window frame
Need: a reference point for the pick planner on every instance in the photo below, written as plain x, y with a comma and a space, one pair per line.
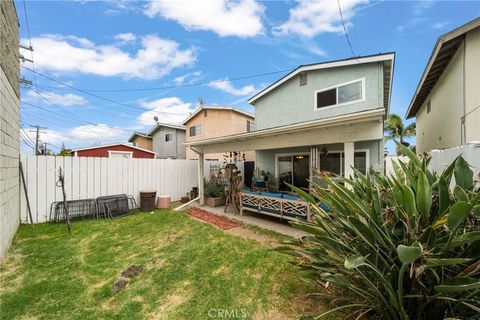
165, 136
196, 134
342, 155
110, 152
362, 80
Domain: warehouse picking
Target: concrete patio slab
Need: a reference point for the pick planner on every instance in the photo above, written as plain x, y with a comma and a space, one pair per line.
255, 219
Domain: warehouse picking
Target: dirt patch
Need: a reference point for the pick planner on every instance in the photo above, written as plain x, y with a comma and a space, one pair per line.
220, 222
132, 271
246, 233
120, 284
171, 302
155, 263
10, 276
221, 270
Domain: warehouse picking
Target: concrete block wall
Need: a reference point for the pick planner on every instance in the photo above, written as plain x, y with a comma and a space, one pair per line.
9, 126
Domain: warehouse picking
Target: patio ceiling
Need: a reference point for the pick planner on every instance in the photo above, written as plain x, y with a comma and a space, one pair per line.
367, 125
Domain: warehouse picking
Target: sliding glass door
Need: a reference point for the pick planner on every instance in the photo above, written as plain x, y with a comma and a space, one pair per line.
293, 169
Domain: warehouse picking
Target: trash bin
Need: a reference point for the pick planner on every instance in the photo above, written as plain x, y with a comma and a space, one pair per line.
147, 200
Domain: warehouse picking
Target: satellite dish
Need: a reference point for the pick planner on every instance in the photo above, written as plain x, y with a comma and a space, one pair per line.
155, 118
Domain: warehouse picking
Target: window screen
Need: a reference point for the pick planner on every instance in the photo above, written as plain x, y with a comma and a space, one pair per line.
350, 92
195, 130
331, 162
168, 137
327, 98
360, 162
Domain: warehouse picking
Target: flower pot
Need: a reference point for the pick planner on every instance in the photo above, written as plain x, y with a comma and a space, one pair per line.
214, 201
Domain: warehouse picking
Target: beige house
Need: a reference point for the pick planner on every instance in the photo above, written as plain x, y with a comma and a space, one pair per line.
446, 103
141, 140
216, 121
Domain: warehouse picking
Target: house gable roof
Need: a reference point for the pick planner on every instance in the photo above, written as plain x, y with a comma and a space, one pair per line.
166, 125
114, 144
388, 59
228, 108
445, 48
138, 134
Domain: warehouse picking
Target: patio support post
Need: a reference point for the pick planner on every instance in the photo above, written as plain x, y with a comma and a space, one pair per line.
200, 179
349, 151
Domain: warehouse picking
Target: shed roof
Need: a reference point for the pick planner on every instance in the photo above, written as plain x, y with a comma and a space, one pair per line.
111, 145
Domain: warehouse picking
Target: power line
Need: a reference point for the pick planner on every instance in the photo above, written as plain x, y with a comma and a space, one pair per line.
95, 95
184, 85
345, 29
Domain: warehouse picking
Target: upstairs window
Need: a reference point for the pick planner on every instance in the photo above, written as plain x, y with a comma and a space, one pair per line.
347, 93
195, 130
250, 125
168, 137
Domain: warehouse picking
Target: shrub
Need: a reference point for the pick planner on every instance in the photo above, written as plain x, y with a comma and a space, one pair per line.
213, 189
400, 247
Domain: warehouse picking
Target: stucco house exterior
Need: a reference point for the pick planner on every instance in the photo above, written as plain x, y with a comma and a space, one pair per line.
217, 121
326, 116
446, 103
168, 141
117, 150
141, 140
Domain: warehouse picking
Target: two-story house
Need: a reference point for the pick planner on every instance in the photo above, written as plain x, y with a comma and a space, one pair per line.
141, 140
446, 103
217, 121
326, 116
168, 141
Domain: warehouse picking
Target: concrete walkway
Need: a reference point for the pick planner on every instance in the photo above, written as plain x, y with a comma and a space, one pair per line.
256, 219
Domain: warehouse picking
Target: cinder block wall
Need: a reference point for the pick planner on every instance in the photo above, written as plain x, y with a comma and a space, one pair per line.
9, 126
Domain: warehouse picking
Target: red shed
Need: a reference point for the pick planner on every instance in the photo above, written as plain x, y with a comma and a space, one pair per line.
119, 150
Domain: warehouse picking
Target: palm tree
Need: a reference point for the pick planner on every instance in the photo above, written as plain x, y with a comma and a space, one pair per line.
395, 129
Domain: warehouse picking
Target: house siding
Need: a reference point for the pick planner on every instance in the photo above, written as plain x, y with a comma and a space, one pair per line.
218, 123
142, 142
169, 149
455, 94
9, 126
102, 152
292, 103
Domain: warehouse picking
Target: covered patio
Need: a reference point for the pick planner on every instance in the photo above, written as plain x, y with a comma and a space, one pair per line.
348, 131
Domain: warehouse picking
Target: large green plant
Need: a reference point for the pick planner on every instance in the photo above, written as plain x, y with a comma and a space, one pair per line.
400, 247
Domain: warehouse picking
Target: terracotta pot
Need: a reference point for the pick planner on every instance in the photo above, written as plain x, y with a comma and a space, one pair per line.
214, 202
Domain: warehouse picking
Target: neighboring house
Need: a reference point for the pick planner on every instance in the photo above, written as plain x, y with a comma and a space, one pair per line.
446, 103
168, 140
118, 150
217, 121
141, 140
326, 116
10, 128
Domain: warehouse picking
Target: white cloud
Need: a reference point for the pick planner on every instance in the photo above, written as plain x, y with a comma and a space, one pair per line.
156, 57
81, 135
52, 98
125, 37
192, 77
168, 110
226, 86
310, 18
422, 6
224, 17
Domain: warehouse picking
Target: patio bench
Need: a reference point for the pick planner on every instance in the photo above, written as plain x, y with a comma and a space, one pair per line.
274, 204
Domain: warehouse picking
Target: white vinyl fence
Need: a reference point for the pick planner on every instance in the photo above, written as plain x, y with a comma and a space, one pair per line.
94, 177
441, 159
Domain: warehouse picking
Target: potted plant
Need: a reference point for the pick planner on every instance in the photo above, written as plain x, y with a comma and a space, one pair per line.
214, 193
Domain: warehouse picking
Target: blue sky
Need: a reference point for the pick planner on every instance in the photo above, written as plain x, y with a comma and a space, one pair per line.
194, 49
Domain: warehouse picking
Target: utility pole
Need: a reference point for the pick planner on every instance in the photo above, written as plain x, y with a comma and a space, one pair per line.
37, 138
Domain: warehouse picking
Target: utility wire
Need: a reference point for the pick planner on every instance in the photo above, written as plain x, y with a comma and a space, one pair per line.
345, 29
180, 85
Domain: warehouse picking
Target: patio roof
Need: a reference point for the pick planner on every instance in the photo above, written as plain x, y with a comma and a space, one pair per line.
350, 127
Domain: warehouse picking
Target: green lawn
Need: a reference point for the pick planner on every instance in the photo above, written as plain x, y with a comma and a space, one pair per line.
190, 268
